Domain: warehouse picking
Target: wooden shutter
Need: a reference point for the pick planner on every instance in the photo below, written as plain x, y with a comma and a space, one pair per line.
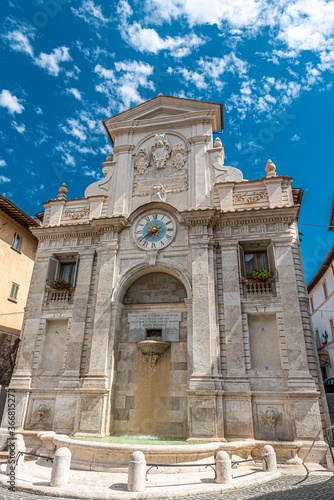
52, 270
271, 259
242, 268
75, 272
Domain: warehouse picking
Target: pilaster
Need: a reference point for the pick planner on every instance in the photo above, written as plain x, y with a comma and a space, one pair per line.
123, 182
97, 372
70, 377
299, 376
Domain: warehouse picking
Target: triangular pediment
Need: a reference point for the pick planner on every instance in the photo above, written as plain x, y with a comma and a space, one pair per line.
161, 111
163, 106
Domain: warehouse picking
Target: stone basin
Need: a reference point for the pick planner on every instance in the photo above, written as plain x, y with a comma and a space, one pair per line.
153, 347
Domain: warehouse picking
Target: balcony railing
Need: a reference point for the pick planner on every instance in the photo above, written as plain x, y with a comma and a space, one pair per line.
253, 288
59, 296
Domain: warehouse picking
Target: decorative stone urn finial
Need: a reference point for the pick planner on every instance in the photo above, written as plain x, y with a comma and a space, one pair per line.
62, 192
217, 143
110, 157
160, 94
271, 169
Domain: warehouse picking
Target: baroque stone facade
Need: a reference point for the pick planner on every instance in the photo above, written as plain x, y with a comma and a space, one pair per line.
162, 333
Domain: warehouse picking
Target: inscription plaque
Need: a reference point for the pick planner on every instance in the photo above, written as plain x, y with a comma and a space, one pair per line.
168, 322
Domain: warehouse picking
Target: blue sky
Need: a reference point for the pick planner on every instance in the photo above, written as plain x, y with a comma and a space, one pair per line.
68, 64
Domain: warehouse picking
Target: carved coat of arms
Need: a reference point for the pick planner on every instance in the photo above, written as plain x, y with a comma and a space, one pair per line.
160, 151
179, 156
142, 160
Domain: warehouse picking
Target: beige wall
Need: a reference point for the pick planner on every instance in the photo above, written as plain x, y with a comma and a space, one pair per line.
14, 267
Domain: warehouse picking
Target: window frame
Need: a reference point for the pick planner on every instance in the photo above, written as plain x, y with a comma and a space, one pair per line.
312, 305
325, 289
14, 290
71, 273
256, 253
17, 237
56, 263
331, 326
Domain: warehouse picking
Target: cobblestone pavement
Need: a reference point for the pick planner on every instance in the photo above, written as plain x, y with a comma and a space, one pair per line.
307, 487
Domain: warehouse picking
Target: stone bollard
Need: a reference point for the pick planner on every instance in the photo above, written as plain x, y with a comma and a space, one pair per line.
223, 468
15, 445
137, 472
61, 467
269, 464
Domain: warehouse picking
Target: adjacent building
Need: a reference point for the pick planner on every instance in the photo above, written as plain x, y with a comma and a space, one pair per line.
162, 330
17, 254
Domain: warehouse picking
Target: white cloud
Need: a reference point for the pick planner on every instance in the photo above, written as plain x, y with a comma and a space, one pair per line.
75, 93
2, 163
68, 159
121, 85
238, 13
19, 41
11, 102
75, 128
20, 127
148, 39
90, 172
38, 110
4, 179
51, 62
90, 13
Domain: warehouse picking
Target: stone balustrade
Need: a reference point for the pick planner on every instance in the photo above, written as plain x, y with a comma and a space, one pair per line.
58, 296
251, 288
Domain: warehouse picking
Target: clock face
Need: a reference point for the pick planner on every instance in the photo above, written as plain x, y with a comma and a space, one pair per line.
154, 231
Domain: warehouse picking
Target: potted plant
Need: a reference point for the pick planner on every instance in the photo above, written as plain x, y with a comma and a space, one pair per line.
261, 276
61, 285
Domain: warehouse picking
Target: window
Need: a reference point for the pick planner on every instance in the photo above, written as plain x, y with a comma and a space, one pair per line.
312, 305
255, 261
317, 338
17, 242
324, 286
67, 272
331, 324
13, 292
63, 267
254, 256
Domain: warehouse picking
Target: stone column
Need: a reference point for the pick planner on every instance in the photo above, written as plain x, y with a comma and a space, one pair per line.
200, 175
70, 377
97, 372
116, 313
237, 395
291, 313
21, 379
123, 181
205, 355
305, 402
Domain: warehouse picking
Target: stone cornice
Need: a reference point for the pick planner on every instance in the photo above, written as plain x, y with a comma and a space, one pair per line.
126, 148
92, 228
197, 216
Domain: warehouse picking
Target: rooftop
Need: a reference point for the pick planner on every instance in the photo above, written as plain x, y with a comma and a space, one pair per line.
9, 208
327, 263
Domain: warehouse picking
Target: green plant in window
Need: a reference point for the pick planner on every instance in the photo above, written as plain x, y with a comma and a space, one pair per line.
61, 285
260, 276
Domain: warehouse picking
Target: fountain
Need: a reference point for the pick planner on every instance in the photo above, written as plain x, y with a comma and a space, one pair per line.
152, 350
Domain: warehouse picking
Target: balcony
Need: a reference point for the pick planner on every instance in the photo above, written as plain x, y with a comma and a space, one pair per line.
254, 289
58, 297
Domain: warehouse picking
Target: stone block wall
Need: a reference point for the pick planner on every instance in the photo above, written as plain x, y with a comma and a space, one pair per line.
166, 405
